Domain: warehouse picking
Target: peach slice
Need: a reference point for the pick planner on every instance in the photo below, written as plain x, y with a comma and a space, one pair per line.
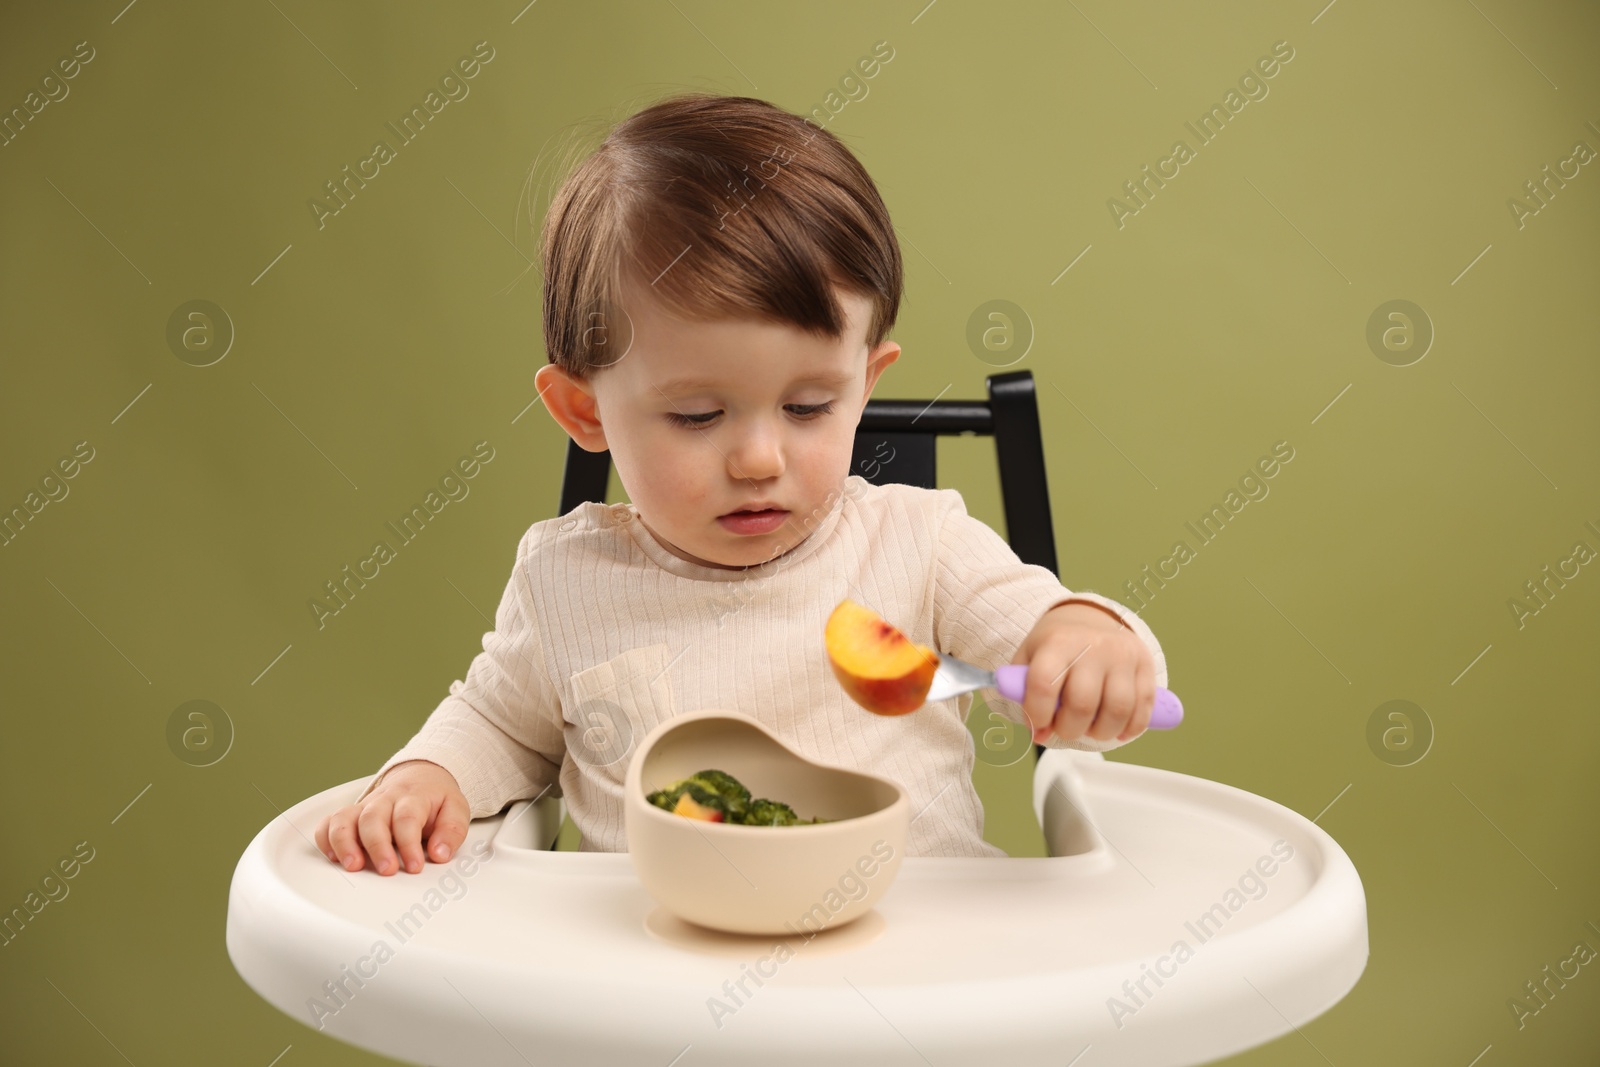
880, 668
690, 808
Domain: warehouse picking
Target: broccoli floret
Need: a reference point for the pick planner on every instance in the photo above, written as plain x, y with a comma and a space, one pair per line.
721, 782
731, 798
697, 803
705, 804
722, 792
735, 797
766, 812
665, 799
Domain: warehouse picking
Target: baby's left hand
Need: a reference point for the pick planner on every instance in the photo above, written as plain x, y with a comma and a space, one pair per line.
1088, 674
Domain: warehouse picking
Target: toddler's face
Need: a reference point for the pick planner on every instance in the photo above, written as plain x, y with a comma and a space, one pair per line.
707, 419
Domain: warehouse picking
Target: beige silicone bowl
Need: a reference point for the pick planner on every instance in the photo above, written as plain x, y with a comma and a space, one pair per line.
761, 879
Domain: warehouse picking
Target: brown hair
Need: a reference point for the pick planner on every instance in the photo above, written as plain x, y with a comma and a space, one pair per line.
721, 207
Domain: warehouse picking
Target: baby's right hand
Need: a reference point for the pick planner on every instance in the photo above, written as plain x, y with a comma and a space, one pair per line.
416, 800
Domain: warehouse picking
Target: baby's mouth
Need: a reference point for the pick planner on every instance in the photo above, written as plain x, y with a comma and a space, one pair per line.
762, 521
763, 510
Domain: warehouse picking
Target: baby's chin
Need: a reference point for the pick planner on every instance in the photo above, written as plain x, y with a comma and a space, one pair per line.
754, 551
745, 553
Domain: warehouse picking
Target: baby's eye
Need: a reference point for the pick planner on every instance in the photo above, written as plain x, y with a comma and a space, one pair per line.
801, 411
691, 420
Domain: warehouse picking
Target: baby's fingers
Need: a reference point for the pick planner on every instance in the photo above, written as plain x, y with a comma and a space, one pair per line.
1080, 699
341, 837
1144, 699
449, 827
321, 838
1116, 705
376, 835
410, 811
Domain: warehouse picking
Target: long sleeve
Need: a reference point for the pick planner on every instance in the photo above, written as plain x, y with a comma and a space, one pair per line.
986, 601
500, 731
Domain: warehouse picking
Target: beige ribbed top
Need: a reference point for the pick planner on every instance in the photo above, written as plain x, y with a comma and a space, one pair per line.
602, 633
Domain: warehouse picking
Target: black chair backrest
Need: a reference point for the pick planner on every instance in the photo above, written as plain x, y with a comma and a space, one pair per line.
895, 442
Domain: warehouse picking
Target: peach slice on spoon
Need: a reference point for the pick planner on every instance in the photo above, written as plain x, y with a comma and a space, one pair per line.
889, 674
879, 667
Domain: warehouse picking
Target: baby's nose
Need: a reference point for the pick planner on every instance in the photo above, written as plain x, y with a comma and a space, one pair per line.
759, 455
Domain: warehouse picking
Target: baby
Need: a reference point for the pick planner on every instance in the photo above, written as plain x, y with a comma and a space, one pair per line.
719, 279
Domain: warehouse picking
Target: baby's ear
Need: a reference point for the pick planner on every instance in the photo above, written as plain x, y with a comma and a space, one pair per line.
878, 360
571, 402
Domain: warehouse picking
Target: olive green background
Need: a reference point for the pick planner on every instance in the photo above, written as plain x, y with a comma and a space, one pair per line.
1229, 314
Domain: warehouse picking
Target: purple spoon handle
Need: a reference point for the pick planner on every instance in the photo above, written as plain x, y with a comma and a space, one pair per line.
1012, 681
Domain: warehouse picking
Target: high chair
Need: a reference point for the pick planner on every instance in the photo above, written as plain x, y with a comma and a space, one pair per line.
1175, 920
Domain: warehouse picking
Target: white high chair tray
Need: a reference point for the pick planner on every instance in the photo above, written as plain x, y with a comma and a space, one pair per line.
1172, 934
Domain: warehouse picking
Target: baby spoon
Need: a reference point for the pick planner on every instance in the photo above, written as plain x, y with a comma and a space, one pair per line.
889, 674
954, 677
